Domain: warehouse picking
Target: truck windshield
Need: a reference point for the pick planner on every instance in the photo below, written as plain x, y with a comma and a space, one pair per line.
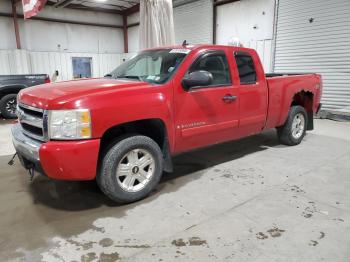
154, 66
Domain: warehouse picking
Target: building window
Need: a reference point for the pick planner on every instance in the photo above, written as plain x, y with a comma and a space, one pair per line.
81, 67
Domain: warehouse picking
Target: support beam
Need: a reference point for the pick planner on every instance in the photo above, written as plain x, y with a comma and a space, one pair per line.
132, 10
86, 8
223, 2
133, 24
125, 33
58, 3
15, 23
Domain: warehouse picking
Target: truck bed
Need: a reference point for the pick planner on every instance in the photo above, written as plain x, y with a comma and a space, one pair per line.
282, 89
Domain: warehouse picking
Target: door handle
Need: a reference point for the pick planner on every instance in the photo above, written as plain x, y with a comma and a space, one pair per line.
229, 98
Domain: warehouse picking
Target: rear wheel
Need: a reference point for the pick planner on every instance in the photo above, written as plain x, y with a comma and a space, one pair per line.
8, 106
131, 169
293, 131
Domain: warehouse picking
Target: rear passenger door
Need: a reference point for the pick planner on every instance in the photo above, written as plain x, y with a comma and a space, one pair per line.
252, 93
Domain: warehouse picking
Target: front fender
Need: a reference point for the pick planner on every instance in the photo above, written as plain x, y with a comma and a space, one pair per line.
116, 109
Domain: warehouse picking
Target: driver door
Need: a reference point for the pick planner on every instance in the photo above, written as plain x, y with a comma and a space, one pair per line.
206, 115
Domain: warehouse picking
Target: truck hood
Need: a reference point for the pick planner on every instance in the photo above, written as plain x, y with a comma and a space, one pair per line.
56, 95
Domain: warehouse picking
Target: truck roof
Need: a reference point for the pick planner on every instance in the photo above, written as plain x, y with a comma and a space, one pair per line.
200, 46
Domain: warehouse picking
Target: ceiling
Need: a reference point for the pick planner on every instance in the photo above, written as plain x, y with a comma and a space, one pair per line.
110, 6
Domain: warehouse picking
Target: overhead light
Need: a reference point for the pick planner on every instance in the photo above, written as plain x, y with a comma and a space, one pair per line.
100, 0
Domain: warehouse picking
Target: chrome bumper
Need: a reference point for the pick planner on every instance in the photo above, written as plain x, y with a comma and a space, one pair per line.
25, 146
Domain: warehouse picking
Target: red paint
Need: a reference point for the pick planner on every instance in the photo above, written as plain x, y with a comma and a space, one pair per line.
68, 160
192, 119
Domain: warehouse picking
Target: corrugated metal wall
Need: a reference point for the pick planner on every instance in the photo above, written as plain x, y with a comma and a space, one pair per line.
314, 36
28, 62
193, 22
14, 62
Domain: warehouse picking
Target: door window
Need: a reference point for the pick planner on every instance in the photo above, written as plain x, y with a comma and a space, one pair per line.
246, 69
216, 64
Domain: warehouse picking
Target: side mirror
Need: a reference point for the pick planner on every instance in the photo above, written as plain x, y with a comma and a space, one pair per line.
197, 79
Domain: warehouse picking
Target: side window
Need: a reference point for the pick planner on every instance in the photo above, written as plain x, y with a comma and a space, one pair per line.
216, 64
246, 69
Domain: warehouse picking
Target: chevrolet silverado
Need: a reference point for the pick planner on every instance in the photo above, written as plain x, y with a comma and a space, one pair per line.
123, 129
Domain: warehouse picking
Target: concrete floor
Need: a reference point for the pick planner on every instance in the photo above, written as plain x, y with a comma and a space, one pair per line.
249, 200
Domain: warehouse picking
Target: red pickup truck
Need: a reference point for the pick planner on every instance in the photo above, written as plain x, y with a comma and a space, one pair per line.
123, 129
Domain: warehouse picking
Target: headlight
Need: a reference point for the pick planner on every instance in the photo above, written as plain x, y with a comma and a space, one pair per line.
69, 124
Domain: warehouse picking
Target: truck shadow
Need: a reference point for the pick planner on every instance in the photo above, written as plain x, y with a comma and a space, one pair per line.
76, 196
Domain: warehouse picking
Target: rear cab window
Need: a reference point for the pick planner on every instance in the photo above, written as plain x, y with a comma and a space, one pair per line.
246, 68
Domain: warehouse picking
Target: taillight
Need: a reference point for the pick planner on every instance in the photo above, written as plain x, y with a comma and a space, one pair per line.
47, 79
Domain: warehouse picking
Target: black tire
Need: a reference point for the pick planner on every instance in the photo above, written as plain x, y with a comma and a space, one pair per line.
107, 179
284, 132
7, 104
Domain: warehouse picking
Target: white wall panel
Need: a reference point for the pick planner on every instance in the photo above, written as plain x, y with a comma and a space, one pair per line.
47, 63
27, 62
14, 62
7, 36
133, 38
247, 19
134, 18
52, 36
5, 62
252, 22
77, 15
321, 46
48, 36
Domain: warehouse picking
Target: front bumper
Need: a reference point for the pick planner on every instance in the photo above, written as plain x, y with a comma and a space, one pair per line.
63, 160
26, 148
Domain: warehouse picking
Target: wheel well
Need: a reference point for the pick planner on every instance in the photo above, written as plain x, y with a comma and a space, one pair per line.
10, 90
305, 99
153, 128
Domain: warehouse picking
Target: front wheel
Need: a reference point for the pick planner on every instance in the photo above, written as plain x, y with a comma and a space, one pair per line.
131, 169
293, 131
8, 106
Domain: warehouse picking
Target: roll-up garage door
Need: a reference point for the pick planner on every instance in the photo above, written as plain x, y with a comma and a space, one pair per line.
193, 21
314, 36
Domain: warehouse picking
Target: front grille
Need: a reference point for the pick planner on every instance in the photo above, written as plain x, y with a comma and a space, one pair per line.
32, 121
